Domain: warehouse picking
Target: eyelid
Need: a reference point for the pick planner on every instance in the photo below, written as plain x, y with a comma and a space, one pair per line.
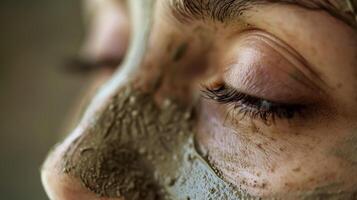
252, 106
295, 58
108, 33
83, 65
257, 59
287, 52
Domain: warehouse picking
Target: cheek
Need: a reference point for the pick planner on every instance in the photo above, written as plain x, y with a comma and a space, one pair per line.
240, 154
268, 160
347, 149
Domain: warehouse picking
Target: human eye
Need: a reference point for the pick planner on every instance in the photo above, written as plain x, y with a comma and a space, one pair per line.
251, 106
280, 99
107, 39
263, 78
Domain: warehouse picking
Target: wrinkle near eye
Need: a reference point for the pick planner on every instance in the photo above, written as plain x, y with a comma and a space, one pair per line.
324, 41
259, 70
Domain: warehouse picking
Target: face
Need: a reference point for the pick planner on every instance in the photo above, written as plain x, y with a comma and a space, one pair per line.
216, 99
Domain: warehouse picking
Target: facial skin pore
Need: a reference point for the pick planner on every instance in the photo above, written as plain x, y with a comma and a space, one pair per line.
259, 102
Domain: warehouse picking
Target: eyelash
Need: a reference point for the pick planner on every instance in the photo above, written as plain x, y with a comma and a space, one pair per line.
251, 106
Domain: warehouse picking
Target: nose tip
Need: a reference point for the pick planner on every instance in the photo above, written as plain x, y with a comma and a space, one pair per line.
115, 153
61, 186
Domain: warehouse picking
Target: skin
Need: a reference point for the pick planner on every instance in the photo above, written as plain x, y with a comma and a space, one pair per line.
307, 58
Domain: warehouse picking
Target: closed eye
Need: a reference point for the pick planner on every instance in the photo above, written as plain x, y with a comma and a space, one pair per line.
251, 106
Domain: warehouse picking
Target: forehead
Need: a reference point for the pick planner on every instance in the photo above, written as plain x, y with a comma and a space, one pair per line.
221, 10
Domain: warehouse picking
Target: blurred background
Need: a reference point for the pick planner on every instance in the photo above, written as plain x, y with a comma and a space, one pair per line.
36, 96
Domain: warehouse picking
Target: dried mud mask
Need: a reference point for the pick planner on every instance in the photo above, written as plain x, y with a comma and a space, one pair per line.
138, 150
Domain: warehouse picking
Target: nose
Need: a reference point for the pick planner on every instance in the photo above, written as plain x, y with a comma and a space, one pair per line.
135, 140
117, 154
124, 135
100, 157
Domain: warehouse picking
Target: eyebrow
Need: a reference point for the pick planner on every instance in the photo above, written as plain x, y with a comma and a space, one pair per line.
223, 10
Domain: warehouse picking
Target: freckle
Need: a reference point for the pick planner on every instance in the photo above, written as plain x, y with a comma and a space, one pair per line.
264, 185
260, 146
272, 170
297, 169
180, 52
339, 85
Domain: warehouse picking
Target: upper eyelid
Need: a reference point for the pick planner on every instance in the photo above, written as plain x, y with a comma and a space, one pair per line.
226, 94
83, 65
231, 90
285, 50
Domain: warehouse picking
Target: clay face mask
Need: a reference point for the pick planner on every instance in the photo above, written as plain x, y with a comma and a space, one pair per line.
133, 148
138, 150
